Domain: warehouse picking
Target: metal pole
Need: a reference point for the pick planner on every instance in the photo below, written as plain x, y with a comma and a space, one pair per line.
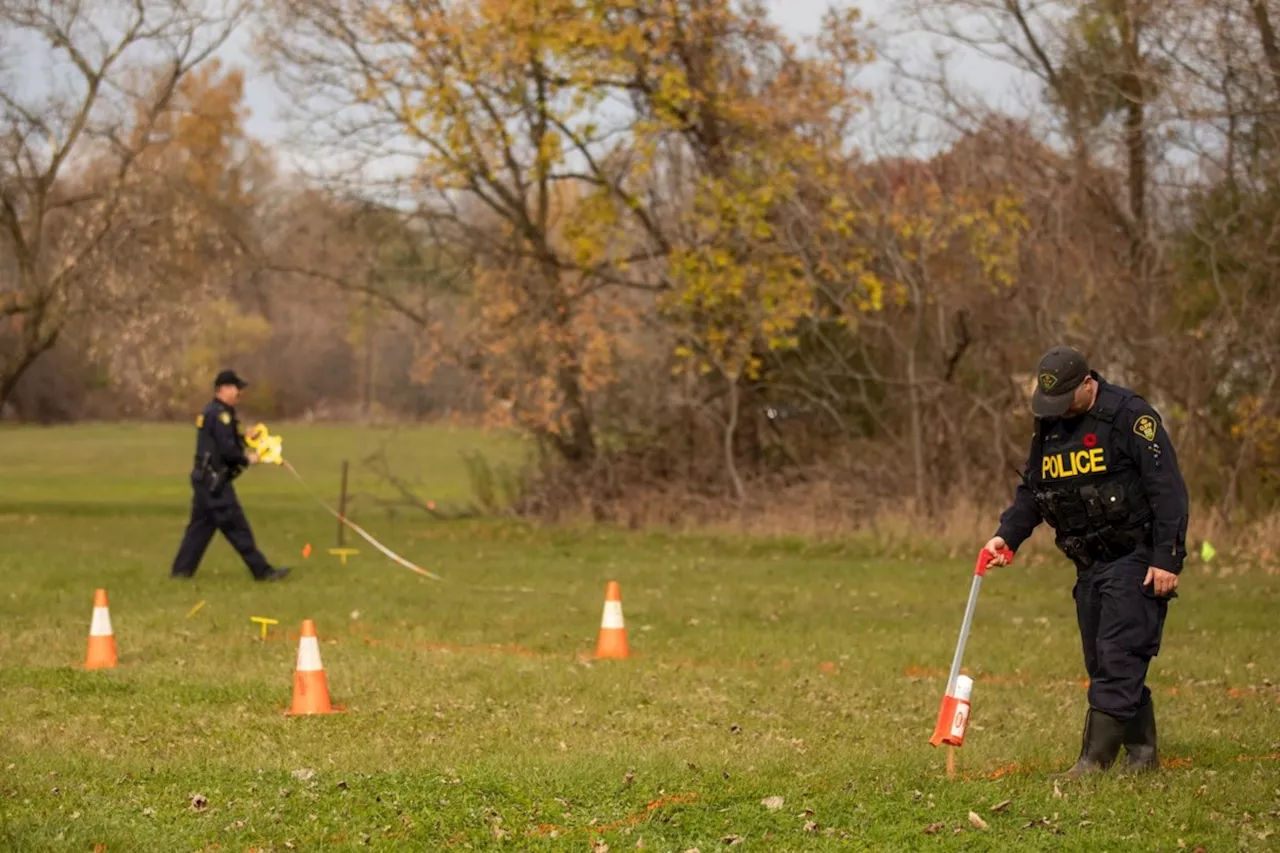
342, 503
964, 633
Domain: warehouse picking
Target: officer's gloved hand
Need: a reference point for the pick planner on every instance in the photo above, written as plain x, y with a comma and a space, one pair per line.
252, 456
997, 547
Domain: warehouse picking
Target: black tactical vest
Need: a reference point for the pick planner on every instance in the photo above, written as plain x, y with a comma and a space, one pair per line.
1086, 489
210, 469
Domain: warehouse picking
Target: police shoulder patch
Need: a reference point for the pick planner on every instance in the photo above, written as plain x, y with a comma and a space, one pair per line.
200, 421
225, 417
1145, 426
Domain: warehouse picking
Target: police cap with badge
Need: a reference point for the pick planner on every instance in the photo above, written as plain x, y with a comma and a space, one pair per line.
1060, 373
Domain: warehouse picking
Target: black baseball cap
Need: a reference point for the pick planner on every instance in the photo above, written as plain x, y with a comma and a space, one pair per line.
1060, 373
229, 377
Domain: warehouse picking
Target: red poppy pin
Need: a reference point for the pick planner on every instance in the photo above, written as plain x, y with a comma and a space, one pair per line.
1090, 440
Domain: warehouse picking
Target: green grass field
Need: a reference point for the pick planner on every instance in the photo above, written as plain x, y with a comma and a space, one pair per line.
476, 719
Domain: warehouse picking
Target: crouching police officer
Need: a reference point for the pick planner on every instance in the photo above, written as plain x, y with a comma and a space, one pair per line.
1103, 474
220, 458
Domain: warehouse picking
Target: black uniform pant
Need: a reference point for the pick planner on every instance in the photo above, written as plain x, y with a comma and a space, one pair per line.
1121, 625
209, 514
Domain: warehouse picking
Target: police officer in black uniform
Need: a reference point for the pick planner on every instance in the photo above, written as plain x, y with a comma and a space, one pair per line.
1103, 474
220, 458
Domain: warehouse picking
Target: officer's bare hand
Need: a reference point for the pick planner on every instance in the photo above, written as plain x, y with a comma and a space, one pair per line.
1162, 582
252, 456
995, 546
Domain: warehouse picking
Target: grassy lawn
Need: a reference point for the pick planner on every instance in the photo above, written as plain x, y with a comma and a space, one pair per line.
476, 719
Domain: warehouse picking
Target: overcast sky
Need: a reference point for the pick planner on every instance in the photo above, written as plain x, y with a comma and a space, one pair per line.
799, 17
882, 132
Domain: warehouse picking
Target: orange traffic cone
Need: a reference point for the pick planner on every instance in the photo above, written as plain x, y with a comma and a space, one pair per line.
102, 643
613, 631
310, 688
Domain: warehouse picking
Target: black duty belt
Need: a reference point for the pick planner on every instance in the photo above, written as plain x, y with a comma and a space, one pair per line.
1104, 546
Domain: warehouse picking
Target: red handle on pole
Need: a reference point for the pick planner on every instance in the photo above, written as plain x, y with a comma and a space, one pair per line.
985, 557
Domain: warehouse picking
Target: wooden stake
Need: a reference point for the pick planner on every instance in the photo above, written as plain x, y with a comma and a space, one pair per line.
951, 762
342, 504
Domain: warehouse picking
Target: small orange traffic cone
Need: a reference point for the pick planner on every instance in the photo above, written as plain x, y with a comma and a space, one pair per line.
613, 631
310, 688
102, 643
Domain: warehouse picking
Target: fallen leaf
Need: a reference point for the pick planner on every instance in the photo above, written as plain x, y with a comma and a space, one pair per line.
1057, 792
99, 848
198, 802
772, 803
499, 833
304, 774
977, 821
628, 778
731, 840
932, 828
598, 846
1001, 806
810, 826
342, 785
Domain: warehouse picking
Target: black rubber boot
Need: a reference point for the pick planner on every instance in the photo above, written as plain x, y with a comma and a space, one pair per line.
1140, 741
273, 575
1100, 744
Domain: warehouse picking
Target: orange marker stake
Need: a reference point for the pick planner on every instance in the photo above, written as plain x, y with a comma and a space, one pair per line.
953, 715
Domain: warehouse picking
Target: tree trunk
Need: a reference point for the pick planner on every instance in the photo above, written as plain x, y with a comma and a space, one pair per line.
746, 441
579, 448
11, 375
1267, 34
1135, 137
917, 433
731, 427
368, 356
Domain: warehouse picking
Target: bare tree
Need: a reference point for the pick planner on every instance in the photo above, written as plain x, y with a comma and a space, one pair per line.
63, 214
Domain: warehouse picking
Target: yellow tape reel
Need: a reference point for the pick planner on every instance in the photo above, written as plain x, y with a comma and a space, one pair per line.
270, 448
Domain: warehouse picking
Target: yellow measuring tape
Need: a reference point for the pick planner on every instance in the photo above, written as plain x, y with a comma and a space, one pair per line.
270, 449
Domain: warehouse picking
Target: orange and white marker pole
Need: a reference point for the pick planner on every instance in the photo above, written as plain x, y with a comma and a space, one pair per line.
613, 629
102, 642
310, 687
953, 715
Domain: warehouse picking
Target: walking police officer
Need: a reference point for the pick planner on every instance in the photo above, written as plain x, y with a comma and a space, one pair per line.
220, 458
1103, 474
